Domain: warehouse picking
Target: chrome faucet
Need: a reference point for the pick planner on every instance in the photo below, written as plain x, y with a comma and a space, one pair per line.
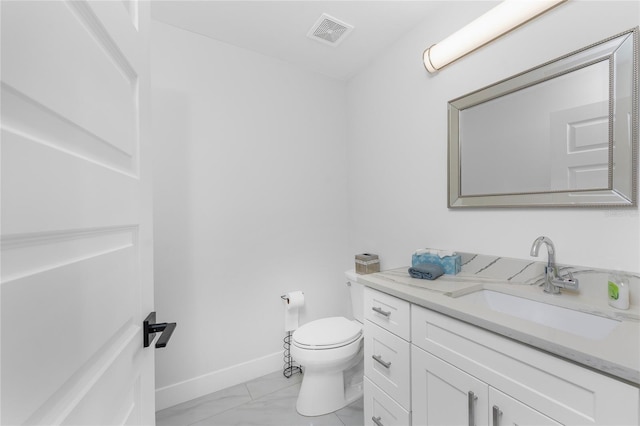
553, 282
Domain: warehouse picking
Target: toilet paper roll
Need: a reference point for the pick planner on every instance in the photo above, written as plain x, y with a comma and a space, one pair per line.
293, 302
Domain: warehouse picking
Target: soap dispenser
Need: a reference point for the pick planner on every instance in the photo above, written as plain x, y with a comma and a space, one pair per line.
618, 291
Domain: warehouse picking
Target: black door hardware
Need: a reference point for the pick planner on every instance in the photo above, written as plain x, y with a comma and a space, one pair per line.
150, 328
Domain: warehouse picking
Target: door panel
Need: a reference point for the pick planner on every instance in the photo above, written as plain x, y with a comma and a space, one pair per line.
62, 58
76, 280
39, 197
580, 147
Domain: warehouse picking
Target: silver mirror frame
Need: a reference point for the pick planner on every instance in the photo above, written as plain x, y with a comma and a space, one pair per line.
623, 181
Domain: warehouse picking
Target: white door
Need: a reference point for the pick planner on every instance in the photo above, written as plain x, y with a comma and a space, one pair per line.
442, 394
76, 280
580, 147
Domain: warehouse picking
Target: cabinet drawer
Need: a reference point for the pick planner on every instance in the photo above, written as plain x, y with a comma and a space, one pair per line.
387, 362
379, 406
388, 312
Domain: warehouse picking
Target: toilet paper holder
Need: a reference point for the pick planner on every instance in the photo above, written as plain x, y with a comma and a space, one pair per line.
285, 298
289, 367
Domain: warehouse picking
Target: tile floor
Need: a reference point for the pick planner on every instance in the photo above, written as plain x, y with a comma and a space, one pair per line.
268, 400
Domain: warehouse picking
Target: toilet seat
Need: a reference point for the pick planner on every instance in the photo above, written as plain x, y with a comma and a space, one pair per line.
327, 333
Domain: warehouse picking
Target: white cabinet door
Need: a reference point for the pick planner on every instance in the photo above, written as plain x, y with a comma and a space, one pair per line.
443, 395
76, 241
508, 411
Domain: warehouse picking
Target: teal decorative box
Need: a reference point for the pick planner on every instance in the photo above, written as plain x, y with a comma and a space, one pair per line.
449, 261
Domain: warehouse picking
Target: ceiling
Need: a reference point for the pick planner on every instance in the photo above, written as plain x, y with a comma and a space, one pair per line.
279, 28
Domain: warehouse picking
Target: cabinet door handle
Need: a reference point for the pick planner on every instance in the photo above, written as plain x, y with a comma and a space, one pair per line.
385, 364
377, 421
471, 398
496, 415
381, 312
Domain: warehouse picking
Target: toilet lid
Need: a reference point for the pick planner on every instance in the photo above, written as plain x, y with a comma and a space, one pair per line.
327, 332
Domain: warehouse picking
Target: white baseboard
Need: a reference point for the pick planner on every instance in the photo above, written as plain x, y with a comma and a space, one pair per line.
177, 393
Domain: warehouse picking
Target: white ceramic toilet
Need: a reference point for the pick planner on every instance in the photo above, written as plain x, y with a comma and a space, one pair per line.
330, 351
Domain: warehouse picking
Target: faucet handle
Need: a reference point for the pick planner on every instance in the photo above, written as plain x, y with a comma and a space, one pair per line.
566, 282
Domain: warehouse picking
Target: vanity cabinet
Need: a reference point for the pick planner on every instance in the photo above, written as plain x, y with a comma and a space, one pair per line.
387, 360
445, 395
425, 368
462, 374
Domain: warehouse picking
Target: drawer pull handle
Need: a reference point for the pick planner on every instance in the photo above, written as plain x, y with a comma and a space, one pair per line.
385, 364
381, 312
471, 398
496, 415
377, 421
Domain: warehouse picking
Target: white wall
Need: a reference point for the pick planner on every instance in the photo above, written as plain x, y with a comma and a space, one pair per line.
398, 146
250, 202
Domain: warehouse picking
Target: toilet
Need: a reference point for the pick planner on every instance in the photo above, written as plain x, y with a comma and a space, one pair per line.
331, 352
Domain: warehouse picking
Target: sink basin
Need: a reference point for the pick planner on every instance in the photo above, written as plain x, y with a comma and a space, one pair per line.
574, 322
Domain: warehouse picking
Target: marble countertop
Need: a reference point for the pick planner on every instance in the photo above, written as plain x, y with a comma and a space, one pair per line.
617, 354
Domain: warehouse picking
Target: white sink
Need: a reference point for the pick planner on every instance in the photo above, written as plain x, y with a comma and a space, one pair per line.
574, 322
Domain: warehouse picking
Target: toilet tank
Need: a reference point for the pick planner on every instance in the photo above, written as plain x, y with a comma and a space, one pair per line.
356, 293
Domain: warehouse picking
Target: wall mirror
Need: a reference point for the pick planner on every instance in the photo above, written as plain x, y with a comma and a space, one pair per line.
564, 133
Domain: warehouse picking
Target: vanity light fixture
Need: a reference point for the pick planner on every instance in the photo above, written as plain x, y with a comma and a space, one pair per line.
498, 21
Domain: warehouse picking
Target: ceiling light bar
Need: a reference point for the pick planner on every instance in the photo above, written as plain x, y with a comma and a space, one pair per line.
498, 21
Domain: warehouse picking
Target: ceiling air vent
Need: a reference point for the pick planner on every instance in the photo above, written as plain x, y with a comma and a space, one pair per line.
329, 30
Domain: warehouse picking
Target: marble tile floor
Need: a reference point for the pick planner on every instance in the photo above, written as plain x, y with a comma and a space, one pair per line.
267, 401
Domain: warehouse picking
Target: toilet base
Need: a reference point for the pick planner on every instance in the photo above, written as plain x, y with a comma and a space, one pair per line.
325, 392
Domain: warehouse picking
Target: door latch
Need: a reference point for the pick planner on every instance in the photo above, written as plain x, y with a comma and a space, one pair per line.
150, 328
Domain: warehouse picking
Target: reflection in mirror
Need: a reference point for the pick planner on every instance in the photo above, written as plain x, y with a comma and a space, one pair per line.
561, 137
564, 133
